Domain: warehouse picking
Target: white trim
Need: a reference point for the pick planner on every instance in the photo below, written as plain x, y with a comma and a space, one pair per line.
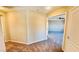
35, 41
7, 40
65, 26
27, 43
17, 41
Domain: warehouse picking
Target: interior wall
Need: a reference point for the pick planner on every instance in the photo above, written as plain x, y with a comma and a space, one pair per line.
17, 26
37, 27
26, 26
56, 25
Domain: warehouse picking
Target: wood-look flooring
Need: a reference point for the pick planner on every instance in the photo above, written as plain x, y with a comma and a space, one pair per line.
43, 46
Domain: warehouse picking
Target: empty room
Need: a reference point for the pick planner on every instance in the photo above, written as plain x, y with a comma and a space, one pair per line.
39, 28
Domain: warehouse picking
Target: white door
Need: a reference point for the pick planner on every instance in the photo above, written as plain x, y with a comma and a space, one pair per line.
72, 34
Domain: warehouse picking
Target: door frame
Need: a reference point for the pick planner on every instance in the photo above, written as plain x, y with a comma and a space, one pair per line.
65, 24
65, 29
2, 14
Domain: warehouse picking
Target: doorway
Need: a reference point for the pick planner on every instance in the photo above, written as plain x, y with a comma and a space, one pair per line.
2, 43
56, 29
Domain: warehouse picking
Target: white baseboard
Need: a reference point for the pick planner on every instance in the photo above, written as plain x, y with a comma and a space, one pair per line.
7, 40
18, 42
28, 43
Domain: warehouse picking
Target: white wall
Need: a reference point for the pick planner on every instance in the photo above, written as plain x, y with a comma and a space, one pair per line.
55, 25
17, 26
26, 26
37, 27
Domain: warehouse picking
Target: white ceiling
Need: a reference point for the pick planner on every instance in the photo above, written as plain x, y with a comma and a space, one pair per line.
41, 9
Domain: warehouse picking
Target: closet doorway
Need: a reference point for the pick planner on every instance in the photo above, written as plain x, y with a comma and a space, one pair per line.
56, 29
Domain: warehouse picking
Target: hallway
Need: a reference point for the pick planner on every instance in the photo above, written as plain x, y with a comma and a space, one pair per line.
43, 46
